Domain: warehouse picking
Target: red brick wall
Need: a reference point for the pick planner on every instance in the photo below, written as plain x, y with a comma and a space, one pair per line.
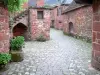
96, 35
4, 30
82, 21
40, 26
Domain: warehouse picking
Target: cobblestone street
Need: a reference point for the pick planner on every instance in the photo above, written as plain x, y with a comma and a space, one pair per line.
62, 55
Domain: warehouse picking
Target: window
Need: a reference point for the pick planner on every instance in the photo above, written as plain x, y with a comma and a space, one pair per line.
57, 12
40, 14
60, 22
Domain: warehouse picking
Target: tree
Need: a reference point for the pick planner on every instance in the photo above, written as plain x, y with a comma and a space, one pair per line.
13, 5
61, 1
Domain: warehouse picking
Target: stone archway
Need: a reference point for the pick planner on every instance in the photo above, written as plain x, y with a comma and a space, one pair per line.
71, 28
20, 30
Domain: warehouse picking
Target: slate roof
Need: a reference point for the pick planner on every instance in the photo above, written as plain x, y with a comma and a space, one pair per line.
74, 6
65, 4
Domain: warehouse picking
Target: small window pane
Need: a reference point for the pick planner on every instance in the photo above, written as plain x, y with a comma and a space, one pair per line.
40, 14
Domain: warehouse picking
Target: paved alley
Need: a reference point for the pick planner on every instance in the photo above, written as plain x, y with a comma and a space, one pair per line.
62, 55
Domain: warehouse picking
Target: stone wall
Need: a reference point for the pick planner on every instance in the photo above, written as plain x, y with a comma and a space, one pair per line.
58, 18
40, 27
96, 35
81, 19
4, 30
53, 16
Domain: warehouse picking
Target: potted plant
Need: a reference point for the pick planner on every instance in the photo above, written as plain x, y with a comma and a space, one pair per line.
16, 48
4, 59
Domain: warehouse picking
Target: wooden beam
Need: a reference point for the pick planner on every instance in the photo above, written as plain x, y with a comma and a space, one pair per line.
84, 1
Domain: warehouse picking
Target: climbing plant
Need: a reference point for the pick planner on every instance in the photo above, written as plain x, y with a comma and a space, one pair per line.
13, 5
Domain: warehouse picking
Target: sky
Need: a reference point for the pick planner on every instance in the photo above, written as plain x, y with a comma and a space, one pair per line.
51, 2
55, 1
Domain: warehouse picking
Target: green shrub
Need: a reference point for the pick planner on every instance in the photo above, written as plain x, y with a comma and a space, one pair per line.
79, 37
65, 33
41, 38
68, 34
89, 40
17, 43
4, 58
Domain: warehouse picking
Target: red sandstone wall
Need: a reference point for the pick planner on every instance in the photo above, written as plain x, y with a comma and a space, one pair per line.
96, 35
59, 22
40, 26
82, 21
4, 30
54, 15
58, 19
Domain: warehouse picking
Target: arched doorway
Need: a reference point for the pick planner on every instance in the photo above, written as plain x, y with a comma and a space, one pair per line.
52, 23
20, 30
71, 28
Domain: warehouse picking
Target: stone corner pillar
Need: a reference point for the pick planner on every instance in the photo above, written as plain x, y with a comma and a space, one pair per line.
4, 30
96, 35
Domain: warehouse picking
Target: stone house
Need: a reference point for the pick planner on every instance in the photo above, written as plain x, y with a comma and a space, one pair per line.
32, 23
53, 16
40, 22
78, 20
95, 31
57, 17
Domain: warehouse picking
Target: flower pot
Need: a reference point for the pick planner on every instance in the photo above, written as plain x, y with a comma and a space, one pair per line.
16, 56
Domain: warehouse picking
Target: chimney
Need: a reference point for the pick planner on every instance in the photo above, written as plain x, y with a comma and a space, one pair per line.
40, 3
